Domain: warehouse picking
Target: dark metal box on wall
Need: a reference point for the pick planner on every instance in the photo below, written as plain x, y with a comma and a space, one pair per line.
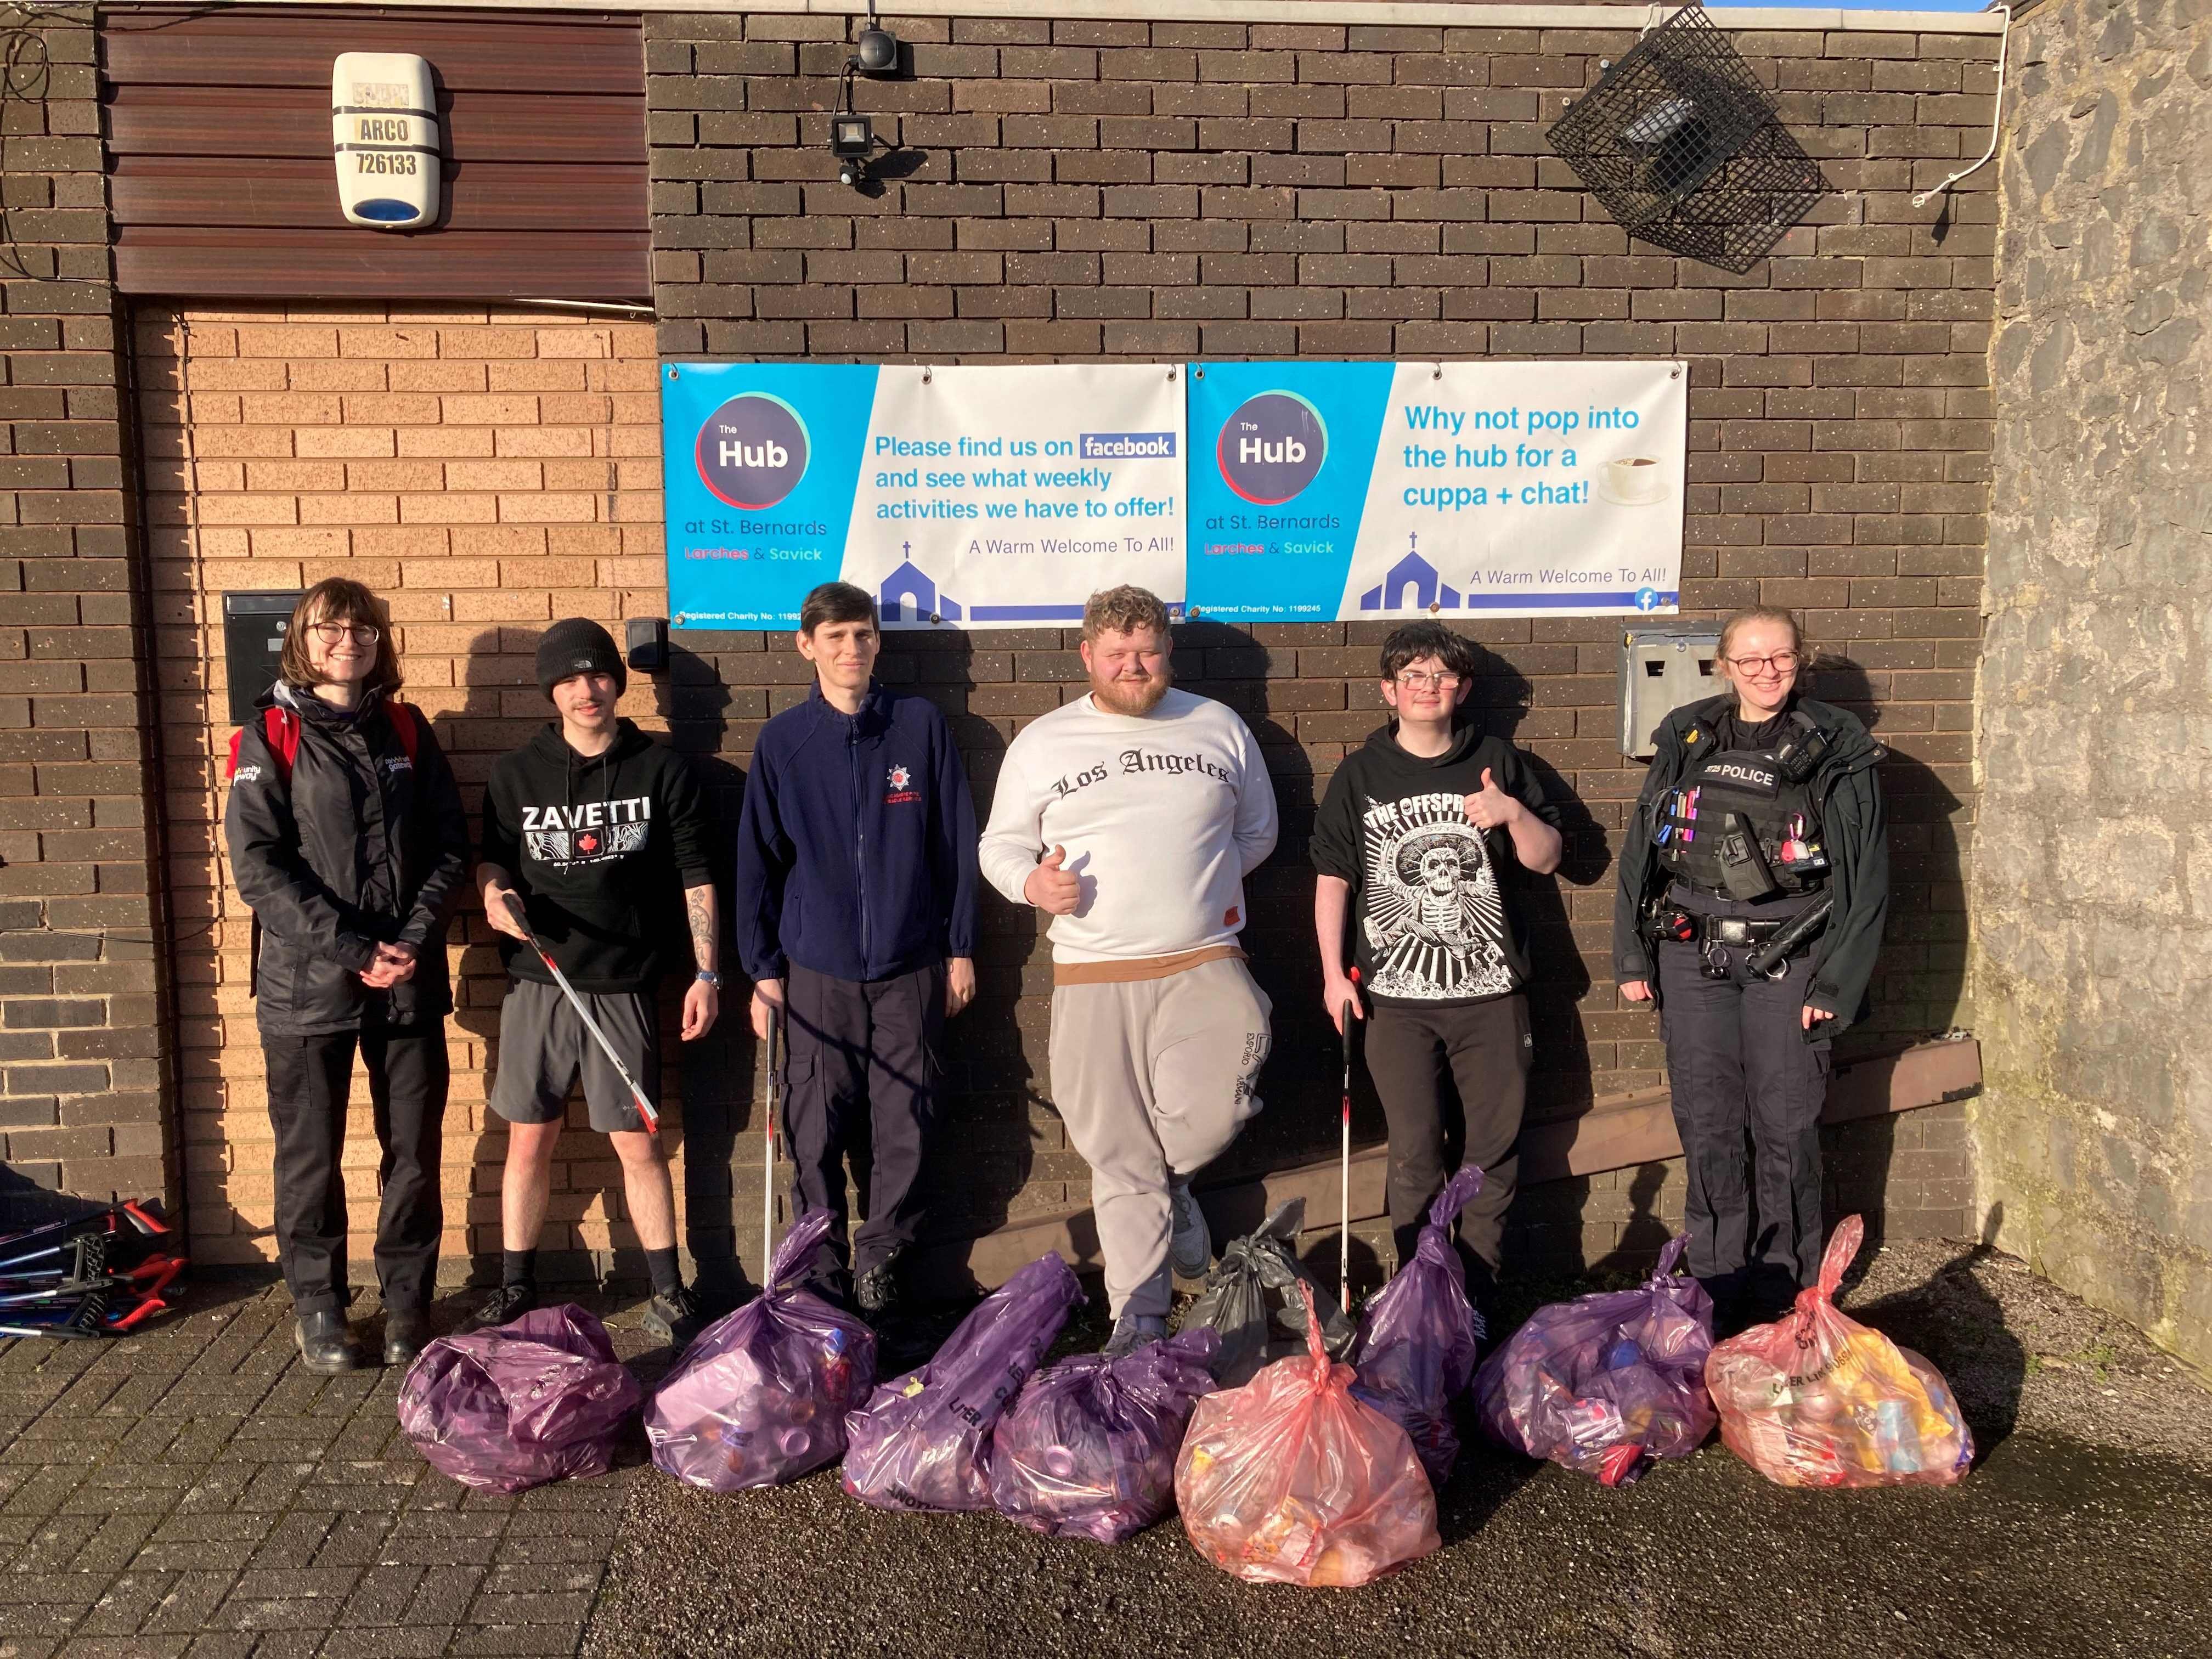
253, 641
1678, 144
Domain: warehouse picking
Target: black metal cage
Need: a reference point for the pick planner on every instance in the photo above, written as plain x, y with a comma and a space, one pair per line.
1678, 143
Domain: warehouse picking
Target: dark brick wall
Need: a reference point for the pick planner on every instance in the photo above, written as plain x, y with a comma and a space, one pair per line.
1078, 191
80, 1066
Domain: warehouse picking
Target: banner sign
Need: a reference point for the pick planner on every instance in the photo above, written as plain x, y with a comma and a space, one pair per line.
968, 497
1343, 492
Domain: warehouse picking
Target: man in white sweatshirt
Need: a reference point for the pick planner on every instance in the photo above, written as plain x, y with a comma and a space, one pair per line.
1133, 816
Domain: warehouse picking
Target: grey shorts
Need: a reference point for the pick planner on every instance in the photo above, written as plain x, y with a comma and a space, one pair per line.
542, 1045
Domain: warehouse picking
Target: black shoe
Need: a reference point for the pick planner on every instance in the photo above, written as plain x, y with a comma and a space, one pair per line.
675, 1319
406, 1331
326, 1346
876, 1292
502, 1307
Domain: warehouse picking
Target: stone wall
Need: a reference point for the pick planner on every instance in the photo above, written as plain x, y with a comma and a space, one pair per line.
2093, 873
80, 1069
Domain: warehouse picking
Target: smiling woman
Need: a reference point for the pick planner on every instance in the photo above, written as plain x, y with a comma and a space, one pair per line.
346, 834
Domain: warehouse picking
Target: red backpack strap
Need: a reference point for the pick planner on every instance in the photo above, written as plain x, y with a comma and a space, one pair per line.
406, 725
282, 729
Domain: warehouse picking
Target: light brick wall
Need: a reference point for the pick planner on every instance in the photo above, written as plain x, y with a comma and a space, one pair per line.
485, 473
81, 1070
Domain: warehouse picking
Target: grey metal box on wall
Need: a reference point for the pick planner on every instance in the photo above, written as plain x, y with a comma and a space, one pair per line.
253, 640
1662, 666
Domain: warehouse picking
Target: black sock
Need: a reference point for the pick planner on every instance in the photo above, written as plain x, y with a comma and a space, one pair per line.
667, 1277
518, 1268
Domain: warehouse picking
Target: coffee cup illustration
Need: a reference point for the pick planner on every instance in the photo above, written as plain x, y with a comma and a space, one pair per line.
1633, 481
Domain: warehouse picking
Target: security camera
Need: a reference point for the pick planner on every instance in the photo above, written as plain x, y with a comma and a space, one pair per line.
876, 52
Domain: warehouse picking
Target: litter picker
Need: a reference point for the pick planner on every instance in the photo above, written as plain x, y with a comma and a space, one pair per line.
644, 1106
768, 1143
1343, 1184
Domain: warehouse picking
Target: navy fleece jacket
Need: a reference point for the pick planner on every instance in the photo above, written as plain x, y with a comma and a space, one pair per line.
856, 849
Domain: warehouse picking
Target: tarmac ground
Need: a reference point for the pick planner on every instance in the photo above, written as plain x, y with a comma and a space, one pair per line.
192, 1492
2086, 1528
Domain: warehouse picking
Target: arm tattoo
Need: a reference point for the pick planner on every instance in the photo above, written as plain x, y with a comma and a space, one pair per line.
699, 908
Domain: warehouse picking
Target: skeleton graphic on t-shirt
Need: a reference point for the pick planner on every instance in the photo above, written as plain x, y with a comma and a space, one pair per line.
1429, 906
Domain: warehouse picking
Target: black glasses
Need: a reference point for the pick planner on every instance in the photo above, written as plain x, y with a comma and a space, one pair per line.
1782, 662
330, 633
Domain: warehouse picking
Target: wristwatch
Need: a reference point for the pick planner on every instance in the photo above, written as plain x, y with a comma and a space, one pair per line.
707, 976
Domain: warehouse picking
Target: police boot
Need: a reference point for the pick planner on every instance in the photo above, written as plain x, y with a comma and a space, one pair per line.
406, 1331
326, 1345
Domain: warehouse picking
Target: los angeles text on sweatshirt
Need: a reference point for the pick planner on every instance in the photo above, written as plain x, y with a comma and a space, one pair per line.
1163, 816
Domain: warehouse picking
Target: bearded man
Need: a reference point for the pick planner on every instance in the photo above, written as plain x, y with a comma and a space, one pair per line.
1131, 816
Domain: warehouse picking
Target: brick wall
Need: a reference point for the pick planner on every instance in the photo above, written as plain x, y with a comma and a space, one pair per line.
79, 1069
1082, 190
485, 473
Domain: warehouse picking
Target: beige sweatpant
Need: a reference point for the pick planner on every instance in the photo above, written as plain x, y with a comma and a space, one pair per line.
1153, 1078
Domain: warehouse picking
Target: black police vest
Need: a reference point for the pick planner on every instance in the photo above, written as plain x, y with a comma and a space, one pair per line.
1740, 825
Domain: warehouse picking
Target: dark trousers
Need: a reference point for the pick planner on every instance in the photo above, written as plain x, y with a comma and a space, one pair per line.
1747, 1091
309, 1079
1454, 1080
861, 1085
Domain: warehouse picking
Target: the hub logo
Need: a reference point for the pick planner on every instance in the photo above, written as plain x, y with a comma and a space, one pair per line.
1272, 447
753, 451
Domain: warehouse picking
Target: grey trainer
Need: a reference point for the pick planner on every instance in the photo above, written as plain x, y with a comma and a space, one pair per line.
1190, 1244
1131, 1333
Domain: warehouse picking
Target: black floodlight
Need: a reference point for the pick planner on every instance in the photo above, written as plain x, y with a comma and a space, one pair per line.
1678, 144
876, 52
851, 138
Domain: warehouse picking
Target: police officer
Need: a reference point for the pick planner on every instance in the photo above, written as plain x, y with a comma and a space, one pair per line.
1753, 879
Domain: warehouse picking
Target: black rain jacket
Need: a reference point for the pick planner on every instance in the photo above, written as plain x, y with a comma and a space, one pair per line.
358, 846
1854, 822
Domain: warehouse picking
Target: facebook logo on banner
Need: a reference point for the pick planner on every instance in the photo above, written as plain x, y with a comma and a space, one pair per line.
1123, 445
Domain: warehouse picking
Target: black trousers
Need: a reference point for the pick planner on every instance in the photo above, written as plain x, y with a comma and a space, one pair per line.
1454, 1080
309, 1080
861, 1085
1747, 1091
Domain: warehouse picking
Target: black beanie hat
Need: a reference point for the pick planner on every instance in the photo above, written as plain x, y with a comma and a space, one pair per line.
577, 645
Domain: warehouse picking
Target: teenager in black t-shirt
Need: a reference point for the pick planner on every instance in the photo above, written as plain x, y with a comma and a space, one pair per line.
1419, 845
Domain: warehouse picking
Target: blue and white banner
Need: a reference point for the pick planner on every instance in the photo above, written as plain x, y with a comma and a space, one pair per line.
1326, 492
972, 497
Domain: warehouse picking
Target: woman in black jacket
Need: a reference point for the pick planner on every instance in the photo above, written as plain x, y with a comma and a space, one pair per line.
348, 841
1761, 807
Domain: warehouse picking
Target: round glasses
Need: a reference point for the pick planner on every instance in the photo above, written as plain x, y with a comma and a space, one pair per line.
330, 633
1782, 662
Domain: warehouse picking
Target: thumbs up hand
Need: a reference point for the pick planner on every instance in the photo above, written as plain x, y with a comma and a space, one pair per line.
1491, 807
1052, 889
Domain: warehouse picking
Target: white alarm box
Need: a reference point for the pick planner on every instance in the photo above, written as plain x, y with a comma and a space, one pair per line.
384, 127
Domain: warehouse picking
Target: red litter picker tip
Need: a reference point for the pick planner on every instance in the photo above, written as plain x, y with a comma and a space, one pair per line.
94, 1275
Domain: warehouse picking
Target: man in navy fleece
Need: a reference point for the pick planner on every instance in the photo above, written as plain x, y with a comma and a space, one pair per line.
855, 912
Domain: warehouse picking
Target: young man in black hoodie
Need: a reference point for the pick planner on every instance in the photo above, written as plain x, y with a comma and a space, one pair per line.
1416, 842
598, 836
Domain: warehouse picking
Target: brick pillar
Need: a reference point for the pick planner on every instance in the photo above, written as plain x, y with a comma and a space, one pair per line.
81, 1055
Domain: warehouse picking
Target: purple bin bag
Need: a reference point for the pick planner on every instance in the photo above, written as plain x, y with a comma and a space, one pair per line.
1607, 1382
923, 1441
1418, 1338
760, 1397
542, 1399
1088, 1449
